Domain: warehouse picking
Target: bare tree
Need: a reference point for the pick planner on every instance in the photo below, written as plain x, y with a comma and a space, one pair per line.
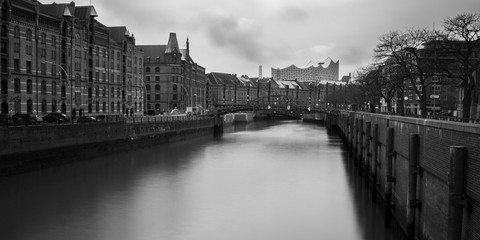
404, 47
461, 43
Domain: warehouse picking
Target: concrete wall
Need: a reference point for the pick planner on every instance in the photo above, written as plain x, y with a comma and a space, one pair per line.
442, 213
28, 148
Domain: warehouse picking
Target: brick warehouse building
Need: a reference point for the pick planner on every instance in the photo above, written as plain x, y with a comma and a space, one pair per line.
59, 58
172, 78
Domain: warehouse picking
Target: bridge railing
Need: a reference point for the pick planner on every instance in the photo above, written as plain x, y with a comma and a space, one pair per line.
155, 119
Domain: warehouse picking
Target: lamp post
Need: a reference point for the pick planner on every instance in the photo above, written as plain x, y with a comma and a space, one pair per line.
71, 86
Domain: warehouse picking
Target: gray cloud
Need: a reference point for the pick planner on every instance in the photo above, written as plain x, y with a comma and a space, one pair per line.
293, 14
238, 35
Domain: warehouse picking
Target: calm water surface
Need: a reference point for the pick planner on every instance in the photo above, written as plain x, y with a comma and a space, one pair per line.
286, 181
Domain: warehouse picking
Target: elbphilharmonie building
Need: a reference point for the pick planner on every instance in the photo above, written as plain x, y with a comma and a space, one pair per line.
322, 71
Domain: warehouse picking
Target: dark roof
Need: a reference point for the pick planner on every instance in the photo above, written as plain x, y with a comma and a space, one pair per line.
345, 79
172, 46
223, 78
57, 10
117, 33
153, 51
25, 4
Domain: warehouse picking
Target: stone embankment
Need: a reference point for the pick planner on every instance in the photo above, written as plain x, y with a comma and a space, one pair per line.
34, 147
426, 173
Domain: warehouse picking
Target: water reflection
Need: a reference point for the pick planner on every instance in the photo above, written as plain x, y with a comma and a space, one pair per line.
261, 181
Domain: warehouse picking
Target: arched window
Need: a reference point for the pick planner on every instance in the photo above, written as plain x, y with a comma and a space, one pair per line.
141, 109
44, 106
135, 107
112, 107
54, 41
4, 108
43, 88
147, 87
29, 86
97, 107
104, 92
118, 106
112, 92
29, 35
157, 69
4, 87
16, 32
147, 69
104, 107
157, 87
118, 92
54, 106
29, 106
43, 38
18, 106
97, 92
16, 85
54, 88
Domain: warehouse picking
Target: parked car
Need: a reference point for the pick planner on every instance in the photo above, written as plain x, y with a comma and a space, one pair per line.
55, 118
101, 118
86, 119
23, 119
5, 119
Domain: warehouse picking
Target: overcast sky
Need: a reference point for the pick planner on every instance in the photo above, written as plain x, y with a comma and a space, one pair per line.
236, 36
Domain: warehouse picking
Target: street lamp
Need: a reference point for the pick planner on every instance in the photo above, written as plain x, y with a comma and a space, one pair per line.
71, 86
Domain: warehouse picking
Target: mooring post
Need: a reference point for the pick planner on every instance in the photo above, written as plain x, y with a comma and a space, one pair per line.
456, 185
413, 202
357, 141
368, 152
374, 162
389, 177
352, 133
348, 133
360, 147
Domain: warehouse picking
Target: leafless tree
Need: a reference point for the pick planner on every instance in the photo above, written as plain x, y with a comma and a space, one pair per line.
404, 47
461, 44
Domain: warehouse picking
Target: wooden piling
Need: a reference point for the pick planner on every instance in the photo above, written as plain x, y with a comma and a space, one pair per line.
389, 177
360, 147
368, 153
413, 202
374, 162
456, 185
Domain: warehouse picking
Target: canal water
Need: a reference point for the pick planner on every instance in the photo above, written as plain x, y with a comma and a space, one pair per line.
262, 181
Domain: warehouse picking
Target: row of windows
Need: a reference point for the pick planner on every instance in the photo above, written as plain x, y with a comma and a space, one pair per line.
136, 93
43, 106
53, 106
157, 87
157, 70
157, 78
29, 36
43, 87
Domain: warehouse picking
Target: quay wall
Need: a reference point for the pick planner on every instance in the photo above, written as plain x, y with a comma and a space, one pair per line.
29, 148
243, 117
425, 172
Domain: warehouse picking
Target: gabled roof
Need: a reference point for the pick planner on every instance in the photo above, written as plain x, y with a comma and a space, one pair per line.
172, 46
153, 52
117, 33
292, 84
223, 78
60, 9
